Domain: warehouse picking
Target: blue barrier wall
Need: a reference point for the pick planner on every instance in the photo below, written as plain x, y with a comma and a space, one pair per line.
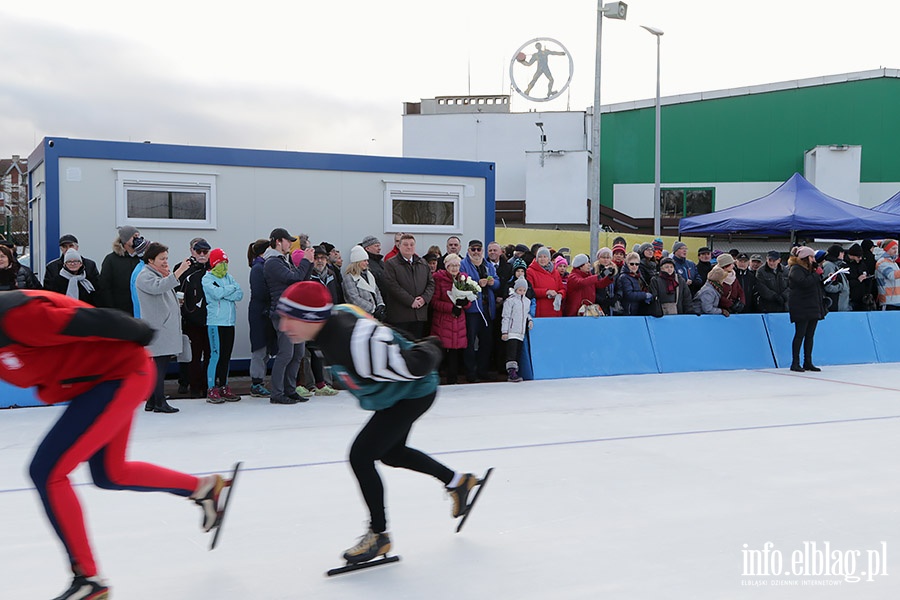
587, 347
691, 343
843, 338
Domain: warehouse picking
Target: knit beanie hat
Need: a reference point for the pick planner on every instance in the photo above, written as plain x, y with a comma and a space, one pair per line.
619, 248
71, 254
854, 250
724, 259
521, 282
126, 232
606, 252
543, 251
308, 301
579, 260
717, 274
886, 245
657, 244
644, 247
216, 256
803, 252
560, 260
678, 246
518, 263
358, 253
368, 241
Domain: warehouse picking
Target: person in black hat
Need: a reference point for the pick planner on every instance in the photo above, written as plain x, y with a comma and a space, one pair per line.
862, 283
118, 267
747, 278
771, 285
192, 375
52, 269
280, 273
704, 266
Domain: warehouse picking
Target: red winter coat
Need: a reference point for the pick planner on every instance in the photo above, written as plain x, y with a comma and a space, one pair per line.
542, 280
582, 286
451, 330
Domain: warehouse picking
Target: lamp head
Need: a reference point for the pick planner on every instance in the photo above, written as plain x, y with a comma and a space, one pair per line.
653, 30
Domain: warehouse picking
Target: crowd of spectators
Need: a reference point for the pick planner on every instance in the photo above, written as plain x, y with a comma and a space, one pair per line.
479, 300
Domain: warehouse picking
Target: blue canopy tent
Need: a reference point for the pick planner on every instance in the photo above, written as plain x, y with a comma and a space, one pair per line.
891, 205
797, 207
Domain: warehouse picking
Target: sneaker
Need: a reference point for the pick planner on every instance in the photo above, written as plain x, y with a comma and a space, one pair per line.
284, 399
215, 396
370, 546
460, 494
298, 398
303, 392
325, 390
207, 498
258, 390
86, 588
514, 376
226, 392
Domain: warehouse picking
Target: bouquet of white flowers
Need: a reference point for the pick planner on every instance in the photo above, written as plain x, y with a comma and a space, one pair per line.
464, 288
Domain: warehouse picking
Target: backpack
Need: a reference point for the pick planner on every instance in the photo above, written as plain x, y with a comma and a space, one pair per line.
193, 310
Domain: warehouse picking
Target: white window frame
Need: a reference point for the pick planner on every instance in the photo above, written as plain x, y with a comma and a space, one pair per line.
168, 181
423, 191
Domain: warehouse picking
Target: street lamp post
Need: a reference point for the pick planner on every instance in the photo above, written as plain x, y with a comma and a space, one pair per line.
656, 217
612, 10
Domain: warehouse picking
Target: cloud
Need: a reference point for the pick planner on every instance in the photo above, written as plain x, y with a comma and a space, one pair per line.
105, 87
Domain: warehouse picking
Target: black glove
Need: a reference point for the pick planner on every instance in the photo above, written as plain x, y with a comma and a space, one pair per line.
608, 272
456, 311
461, 302
379, 312
737, 307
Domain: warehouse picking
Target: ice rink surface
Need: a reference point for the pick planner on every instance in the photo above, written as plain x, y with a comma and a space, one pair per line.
632, 487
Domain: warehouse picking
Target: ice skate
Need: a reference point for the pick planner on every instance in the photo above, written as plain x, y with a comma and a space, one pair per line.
365, 554
460, 495
86, 588
207, 498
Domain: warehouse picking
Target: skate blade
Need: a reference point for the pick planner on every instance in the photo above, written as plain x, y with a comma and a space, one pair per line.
221, 518
471, 504
349, 568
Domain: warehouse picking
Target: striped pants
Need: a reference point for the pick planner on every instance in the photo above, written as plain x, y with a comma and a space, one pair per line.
95, 428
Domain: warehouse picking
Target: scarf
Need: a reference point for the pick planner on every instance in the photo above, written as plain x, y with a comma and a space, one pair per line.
671, 282
74, 279
729, 279
220, 270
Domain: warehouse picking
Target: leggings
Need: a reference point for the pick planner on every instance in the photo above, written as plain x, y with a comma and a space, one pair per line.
221, 343
95, 428
384, 438
804, 332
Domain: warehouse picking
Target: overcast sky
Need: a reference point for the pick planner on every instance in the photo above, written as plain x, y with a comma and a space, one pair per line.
332, 76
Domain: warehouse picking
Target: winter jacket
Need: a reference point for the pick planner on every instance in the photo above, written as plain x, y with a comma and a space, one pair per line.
159, 309
732, 293
580, 287
839, 287
65, 347
222, 293
687, 269
859, 289
706, 302
606, 297
115, 278
681, 296
542, 281
485, 303
449, 328
703, 269
771, 289
58, 283
403, 282
362, 291
261, 330
631, 294
516, 316
280, 273
19, 277
888, 274
376, 268
375, 363
747, 279
807, 301
329, 280
51, 273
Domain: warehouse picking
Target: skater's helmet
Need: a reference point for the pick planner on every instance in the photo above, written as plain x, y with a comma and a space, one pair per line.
308, 301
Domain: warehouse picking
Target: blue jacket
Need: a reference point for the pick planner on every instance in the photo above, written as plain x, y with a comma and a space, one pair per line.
258, 307
487, 292
634, 299
686, 269
221, 295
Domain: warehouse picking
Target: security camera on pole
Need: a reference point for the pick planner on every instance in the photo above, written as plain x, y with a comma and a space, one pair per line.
611, 10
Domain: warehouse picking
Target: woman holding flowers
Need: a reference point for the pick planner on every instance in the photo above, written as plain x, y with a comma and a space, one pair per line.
481, 313
453, 292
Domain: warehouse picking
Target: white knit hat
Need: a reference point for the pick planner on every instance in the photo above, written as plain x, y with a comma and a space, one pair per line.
357, 253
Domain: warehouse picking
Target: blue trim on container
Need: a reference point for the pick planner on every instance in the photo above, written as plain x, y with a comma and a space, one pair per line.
275, 159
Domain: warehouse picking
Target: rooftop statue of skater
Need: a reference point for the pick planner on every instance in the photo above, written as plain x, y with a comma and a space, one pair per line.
390, 375
541, 57
94, 358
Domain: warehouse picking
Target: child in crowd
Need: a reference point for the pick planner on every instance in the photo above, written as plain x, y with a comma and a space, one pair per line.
222, 293
517, 313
